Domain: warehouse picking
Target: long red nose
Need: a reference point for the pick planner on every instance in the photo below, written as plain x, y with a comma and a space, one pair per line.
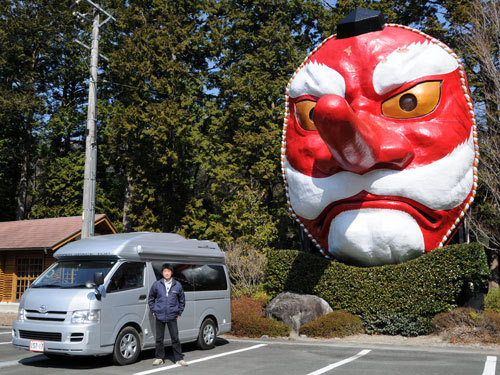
358, 146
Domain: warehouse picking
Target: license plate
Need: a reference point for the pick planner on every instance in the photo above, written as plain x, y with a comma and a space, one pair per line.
37, 345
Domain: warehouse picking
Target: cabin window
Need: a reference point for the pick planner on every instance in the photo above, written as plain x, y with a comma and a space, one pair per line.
128, 276
196, 277
28, 269
182, 273
209, 277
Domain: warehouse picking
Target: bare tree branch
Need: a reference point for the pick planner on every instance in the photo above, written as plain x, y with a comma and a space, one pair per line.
482, 40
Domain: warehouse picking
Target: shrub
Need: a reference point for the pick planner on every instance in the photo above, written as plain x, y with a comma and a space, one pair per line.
246, 267
335, 324
462, 316
257, 293
260, 294
247, 319
467, 325
398, 324
386, 297
492, 300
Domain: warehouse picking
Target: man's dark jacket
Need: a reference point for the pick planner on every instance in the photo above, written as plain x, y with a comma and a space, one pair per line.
166, 307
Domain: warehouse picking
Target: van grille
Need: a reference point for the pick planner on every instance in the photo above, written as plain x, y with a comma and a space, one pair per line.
49, 316
34, 335
44, 318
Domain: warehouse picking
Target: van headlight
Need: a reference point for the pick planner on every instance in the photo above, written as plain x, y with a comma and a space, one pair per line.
86, 316
21, 314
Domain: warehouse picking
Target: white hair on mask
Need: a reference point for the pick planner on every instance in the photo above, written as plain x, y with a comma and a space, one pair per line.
411, 62
317, 79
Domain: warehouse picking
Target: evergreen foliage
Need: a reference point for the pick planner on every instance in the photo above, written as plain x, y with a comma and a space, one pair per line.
256, 46
190, 109
395, 299
152, 130
492, 300
41, 84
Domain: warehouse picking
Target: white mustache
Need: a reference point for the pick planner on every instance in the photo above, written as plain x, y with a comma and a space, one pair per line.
441, 185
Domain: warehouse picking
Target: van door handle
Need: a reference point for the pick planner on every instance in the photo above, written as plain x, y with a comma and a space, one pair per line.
142, 297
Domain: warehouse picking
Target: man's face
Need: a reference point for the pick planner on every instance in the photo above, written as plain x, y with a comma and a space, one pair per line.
167, 274
379, 151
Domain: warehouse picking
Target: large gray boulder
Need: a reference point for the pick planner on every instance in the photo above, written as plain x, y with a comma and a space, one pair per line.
295, 309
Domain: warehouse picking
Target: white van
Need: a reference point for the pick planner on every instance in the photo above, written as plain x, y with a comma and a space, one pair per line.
93, 300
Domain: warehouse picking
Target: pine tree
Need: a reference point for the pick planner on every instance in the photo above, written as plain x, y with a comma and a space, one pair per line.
40, 94
257, 46
153, 128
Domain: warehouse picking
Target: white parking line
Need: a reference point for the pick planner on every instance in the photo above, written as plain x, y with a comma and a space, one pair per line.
490, 365
340, 363
5, 343
8, 364
25, 361
200, 360
6, 333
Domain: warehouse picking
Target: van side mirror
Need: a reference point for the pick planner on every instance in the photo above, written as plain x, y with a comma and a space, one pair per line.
98, 278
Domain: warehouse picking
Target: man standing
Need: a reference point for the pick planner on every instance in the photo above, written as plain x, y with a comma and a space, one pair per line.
166, 301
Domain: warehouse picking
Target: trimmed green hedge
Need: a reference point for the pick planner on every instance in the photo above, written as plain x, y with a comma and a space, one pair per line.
387, 298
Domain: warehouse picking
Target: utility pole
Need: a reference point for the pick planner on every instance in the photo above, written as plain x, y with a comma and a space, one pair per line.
89, 184
88, 213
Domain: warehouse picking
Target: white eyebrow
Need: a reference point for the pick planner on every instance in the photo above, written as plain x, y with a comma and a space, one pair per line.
317, 79
411, 62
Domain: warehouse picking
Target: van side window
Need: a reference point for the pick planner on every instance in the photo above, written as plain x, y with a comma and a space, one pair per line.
182, 273
209, 277
128, 276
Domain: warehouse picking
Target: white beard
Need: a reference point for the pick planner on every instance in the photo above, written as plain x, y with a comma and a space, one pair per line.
373, 237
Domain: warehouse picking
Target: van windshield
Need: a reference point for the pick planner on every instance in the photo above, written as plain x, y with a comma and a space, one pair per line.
72, 274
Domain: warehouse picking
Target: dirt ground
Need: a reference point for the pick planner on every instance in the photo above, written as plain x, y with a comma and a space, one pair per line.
423, 341
419, 341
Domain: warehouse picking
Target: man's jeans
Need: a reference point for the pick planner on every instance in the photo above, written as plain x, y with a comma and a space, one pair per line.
174, 336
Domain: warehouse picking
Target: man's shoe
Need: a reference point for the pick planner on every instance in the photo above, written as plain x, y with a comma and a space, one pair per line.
181, 363
158, 362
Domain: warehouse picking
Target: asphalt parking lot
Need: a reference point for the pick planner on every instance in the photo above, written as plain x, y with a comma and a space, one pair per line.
270, 356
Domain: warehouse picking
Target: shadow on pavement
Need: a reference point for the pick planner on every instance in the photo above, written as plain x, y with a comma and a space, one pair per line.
87, 363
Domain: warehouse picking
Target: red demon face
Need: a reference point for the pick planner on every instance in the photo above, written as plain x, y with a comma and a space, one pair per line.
379, 146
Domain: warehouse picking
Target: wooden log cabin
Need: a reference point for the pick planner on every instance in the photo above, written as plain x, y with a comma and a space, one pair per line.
27, 248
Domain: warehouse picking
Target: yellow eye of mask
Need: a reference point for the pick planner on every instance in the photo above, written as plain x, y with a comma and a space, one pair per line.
417, 101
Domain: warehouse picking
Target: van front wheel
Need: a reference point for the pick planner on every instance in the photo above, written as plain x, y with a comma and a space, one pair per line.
208, 332
127, 347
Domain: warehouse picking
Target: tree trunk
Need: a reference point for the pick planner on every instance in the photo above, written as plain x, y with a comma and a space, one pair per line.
26, 150
127, 202
22, 191
494, 271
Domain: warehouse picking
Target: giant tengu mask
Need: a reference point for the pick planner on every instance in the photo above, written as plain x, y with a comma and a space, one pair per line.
380, 146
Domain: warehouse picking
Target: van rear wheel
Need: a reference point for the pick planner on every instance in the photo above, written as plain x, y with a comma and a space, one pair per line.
208, 332
127, 347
